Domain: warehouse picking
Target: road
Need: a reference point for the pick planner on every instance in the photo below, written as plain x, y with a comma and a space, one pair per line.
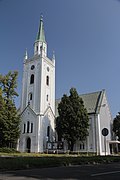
82, 172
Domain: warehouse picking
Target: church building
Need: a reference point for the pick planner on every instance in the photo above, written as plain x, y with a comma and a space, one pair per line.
39, 108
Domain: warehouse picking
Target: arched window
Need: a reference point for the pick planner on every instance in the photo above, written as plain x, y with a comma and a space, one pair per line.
32, 79
30, 96
28, 144
47, 80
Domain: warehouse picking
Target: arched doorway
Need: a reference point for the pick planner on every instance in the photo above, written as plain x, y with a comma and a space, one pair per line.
28, 145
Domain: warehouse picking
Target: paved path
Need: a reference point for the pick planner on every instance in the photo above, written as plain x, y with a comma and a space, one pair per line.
86, 172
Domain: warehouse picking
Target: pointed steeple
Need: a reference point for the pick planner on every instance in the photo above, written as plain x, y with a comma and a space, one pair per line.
41, 34
40, 45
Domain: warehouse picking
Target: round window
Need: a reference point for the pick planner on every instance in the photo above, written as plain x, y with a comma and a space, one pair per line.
32, 67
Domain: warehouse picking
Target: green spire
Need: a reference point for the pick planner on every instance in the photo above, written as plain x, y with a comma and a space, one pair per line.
41, 34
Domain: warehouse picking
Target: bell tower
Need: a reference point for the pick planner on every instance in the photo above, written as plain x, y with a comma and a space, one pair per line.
38, 97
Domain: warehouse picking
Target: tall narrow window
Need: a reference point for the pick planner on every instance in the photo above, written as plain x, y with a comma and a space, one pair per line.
80, 146
30, 96
28, 126
83, 146
31, 127
32, 79
48, 132
24, 127
47, 80
36, 48
47, 97
40, 48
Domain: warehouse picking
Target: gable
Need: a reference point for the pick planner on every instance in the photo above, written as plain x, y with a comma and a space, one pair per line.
28, 110
49, 111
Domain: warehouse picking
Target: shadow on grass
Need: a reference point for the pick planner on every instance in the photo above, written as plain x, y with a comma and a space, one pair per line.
82, 172
71, 172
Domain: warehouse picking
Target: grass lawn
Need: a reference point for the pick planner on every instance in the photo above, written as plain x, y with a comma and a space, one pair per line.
13, 161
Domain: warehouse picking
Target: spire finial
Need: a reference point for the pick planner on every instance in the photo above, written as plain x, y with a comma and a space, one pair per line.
53, 57
41, 17
26, 54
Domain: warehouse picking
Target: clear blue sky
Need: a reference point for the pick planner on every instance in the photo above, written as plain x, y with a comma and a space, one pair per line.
85, 35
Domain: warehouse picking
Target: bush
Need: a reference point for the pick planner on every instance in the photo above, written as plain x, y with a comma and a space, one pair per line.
8, 150
11, 162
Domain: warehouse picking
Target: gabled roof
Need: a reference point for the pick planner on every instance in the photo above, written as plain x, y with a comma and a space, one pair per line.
92, 102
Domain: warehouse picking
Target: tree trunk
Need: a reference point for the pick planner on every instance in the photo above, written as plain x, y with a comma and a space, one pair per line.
70, 145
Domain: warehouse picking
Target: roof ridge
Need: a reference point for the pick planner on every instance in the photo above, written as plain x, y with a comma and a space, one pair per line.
93, 92
57, 99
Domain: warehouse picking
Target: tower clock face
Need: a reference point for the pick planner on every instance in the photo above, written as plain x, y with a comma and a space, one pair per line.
32, 67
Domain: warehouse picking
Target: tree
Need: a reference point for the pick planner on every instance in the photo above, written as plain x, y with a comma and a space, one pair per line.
9, 84
9, 118
116, 125
72, 122
2, 117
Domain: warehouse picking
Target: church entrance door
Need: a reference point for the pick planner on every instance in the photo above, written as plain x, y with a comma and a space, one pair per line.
28, 145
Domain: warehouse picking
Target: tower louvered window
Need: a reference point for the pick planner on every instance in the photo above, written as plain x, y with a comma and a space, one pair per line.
47, 80
32, 79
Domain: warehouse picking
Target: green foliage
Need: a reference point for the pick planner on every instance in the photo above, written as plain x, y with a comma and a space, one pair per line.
9, 84
116, 125
8, 150
2, 117
9, 119
72, 122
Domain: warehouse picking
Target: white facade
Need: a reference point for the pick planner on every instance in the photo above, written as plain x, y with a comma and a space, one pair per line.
38, 97
99, 119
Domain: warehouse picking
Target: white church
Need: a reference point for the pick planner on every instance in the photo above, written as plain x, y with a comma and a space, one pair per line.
39, 108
